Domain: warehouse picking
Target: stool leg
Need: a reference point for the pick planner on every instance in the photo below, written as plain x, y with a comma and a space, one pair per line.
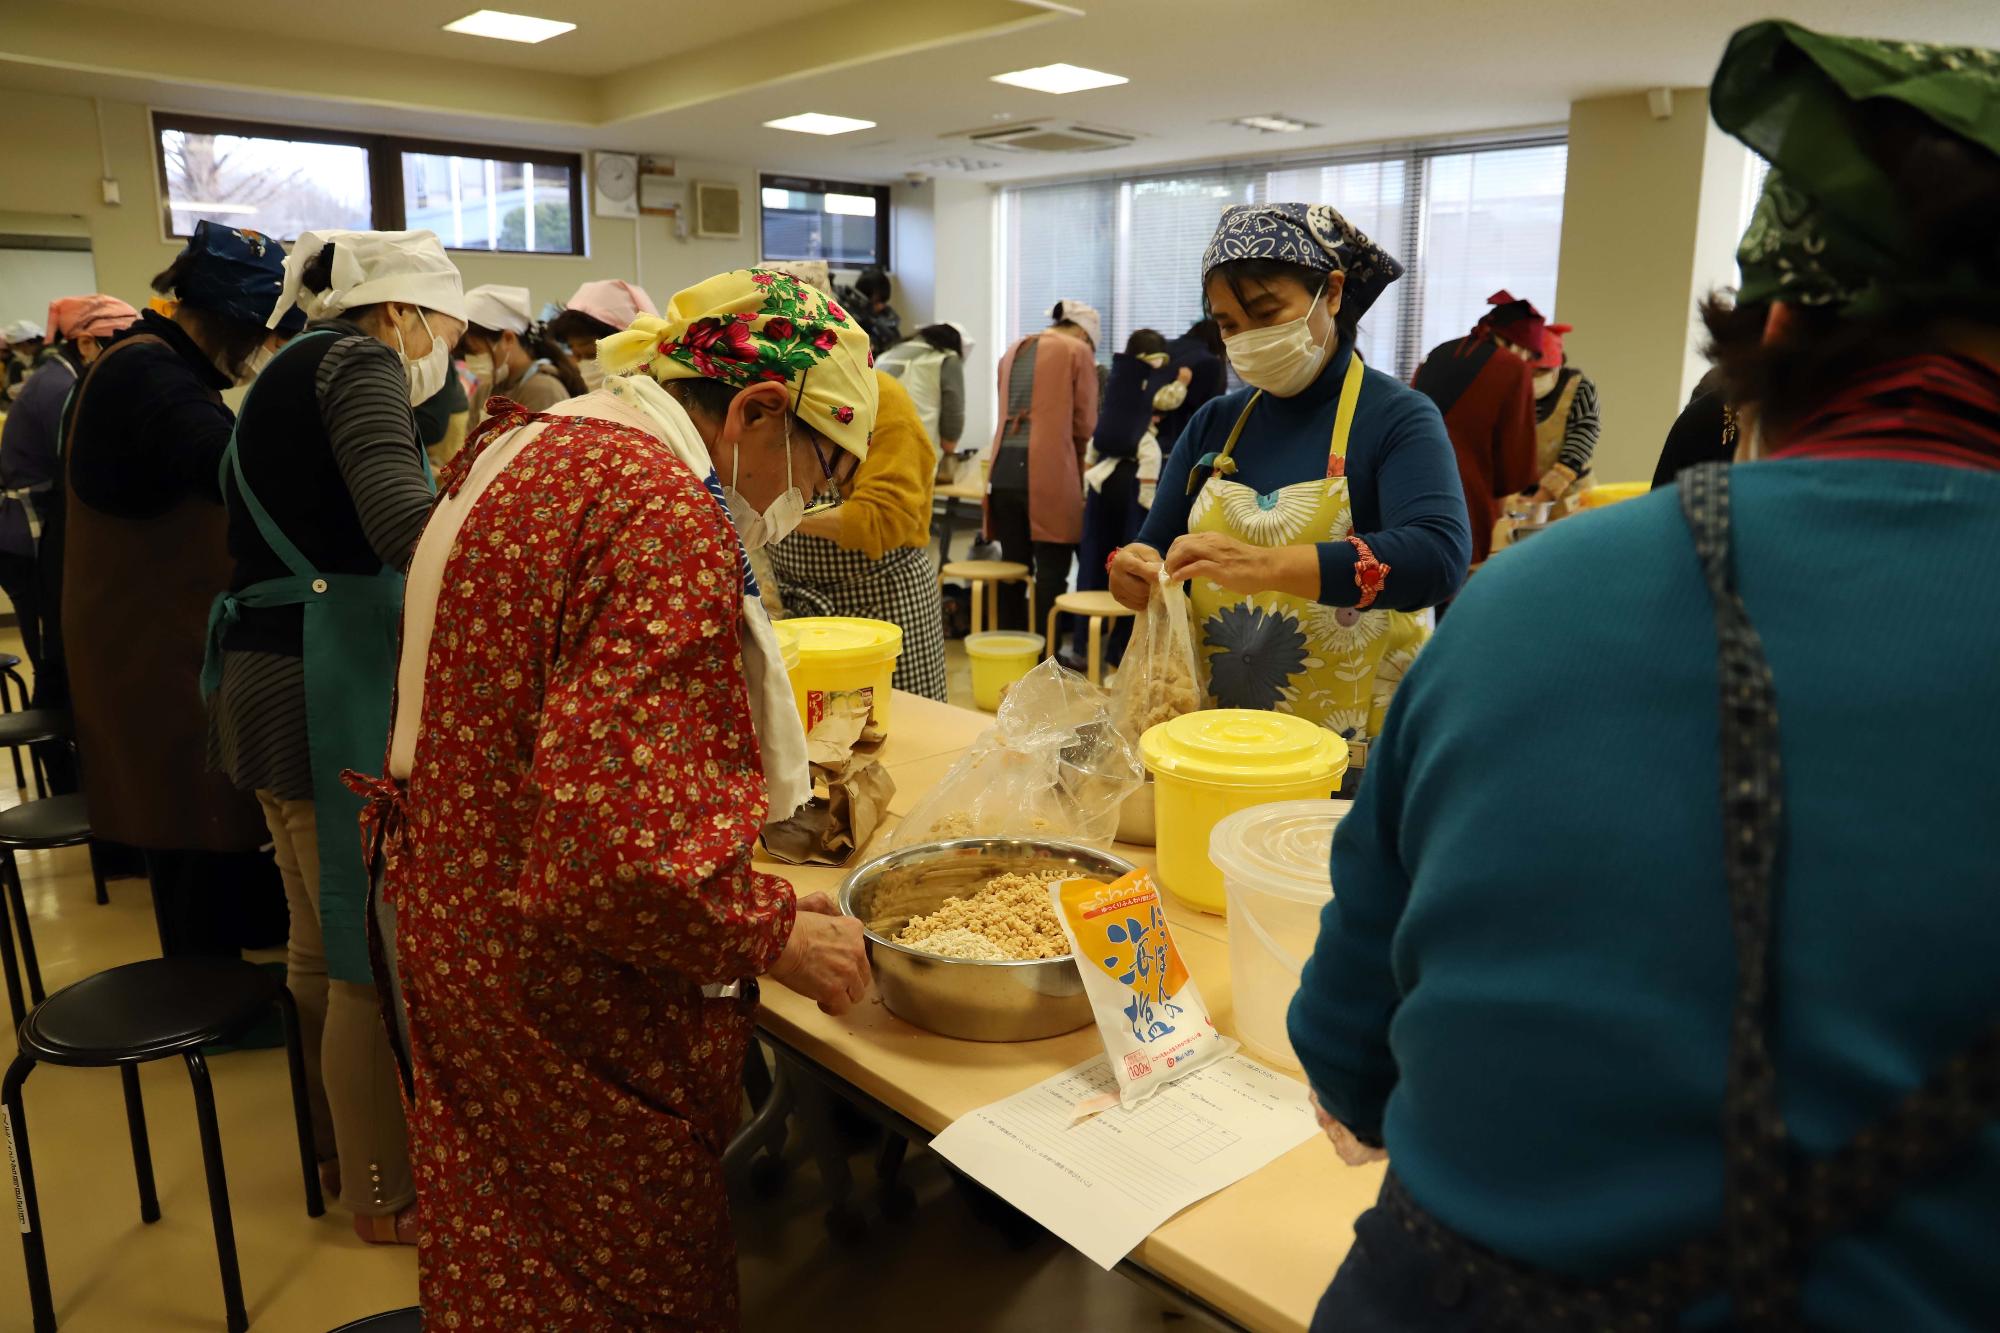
16, 1002
20, 774
97, 873
142, 1147
295, 1059
40, 770
39, 1299
1096, 650
18, 901
1049, 648
978, 605
237, 1318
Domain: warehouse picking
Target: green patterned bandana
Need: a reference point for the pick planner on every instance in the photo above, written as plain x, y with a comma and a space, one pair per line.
1827, 231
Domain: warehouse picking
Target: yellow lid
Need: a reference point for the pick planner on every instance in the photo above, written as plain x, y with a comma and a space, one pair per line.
1243, 747
840, 640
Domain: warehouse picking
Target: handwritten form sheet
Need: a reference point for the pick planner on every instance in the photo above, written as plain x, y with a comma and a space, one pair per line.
1106, 1183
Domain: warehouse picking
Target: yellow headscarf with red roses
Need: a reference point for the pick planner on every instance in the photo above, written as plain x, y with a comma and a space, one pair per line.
751, 325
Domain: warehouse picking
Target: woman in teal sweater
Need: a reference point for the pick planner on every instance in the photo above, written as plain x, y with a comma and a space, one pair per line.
1678, 1008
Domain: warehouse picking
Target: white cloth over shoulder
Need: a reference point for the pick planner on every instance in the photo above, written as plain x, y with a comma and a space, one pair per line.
781, 736
373, 266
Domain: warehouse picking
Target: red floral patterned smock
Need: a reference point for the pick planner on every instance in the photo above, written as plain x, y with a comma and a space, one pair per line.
570, 865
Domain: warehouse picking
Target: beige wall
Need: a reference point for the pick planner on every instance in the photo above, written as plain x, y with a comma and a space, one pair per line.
53, 169
1650, 214
962, 230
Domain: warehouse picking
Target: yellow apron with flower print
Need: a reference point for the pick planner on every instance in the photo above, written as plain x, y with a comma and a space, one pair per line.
1333, 665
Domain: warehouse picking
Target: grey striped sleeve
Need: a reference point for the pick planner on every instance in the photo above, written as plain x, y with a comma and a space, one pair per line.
364, 399
1580, 431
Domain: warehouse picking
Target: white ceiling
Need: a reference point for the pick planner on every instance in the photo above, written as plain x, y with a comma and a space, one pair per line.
610, 34
1362, 70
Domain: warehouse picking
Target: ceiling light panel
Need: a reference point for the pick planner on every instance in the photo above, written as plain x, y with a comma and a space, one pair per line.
1273, 124
1060, 79
818, 122
508, 27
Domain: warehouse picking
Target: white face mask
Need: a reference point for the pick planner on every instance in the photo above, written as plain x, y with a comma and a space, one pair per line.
1281, 359
428, 375
1545, 381
779, 519
593, 374
253, 365
480, 366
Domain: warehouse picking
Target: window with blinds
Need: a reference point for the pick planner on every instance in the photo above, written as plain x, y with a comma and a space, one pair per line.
1465, 220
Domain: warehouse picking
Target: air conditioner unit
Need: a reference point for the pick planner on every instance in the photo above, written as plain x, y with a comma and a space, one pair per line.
718, 211
1051, 137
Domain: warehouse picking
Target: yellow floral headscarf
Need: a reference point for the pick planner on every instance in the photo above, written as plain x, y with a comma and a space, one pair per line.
751, 325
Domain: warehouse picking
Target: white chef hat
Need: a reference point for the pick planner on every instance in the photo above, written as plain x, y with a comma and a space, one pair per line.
373, 266
21, 331
492, 306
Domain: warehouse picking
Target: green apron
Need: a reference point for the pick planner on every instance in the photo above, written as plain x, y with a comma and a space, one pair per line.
352, 627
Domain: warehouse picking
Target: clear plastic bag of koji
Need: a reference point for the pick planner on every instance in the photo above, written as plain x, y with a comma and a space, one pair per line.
1053, 766
1156, 682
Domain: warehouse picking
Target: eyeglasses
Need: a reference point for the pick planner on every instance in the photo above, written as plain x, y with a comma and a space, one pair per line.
828, 496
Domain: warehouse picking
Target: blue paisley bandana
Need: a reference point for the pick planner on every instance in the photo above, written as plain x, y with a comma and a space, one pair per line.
1313, 235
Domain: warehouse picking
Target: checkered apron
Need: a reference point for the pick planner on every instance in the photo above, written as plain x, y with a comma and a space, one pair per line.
816, 577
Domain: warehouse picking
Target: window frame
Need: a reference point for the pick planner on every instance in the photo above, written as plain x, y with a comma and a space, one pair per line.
778, 180
1407, 244
386, 205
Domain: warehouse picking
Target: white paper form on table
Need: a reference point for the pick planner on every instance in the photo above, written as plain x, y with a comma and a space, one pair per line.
1108, 1182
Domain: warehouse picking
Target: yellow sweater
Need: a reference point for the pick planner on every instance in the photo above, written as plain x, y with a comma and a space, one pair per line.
890, 506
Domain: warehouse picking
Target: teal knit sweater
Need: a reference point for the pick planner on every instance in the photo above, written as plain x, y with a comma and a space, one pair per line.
1524, 981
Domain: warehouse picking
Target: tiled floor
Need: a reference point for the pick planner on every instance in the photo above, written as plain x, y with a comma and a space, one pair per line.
939, 1269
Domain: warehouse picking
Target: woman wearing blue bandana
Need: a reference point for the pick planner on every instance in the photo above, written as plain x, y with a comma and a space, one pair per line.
145, 544
1315, 510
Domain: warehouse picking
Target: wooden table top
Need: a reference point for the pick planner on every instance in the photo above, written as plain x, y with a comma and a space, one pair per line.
1260, 1251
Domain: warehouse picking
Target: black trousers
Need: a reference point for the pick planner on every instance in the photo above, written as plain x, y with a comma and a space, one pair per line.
1390, 1283
23, 587
210, 904
1049, 561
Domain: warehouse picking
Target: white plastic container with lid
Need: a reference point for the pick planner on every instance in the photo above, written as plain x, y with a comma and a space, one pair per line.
1274, 861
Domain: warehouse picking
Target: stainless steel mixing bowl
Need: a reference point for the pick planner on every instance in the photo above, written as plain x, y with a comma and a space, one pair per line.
964, 997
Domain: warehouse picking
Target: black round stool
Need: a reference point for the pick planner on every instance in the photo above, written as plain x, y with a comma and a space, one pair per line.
31, 727
59, 821
126, 1017
396, 1321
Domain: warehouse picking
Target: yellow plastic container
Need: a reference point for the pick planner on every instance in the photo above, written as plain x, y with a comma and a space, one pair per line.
839, 655
1611, 492
999, 658
1206, 766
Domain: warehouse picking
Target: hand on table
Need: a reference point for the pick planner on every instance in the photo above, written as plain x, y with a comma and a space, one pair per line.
826, 959
1352, 1150
1135, 572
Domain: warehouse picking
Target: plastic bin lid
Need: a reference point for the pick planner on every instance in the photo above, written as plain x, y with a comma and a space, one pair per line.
1282, 849
840, 640
1243, 747
1003, 643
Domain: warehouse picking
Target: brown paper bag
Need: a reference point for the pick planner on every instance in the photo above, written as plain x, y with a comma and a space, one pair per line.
851, 791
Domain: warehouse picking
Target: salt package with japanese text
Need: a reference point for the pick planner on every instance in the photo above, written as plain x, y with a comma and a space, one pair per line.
1148, 1008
